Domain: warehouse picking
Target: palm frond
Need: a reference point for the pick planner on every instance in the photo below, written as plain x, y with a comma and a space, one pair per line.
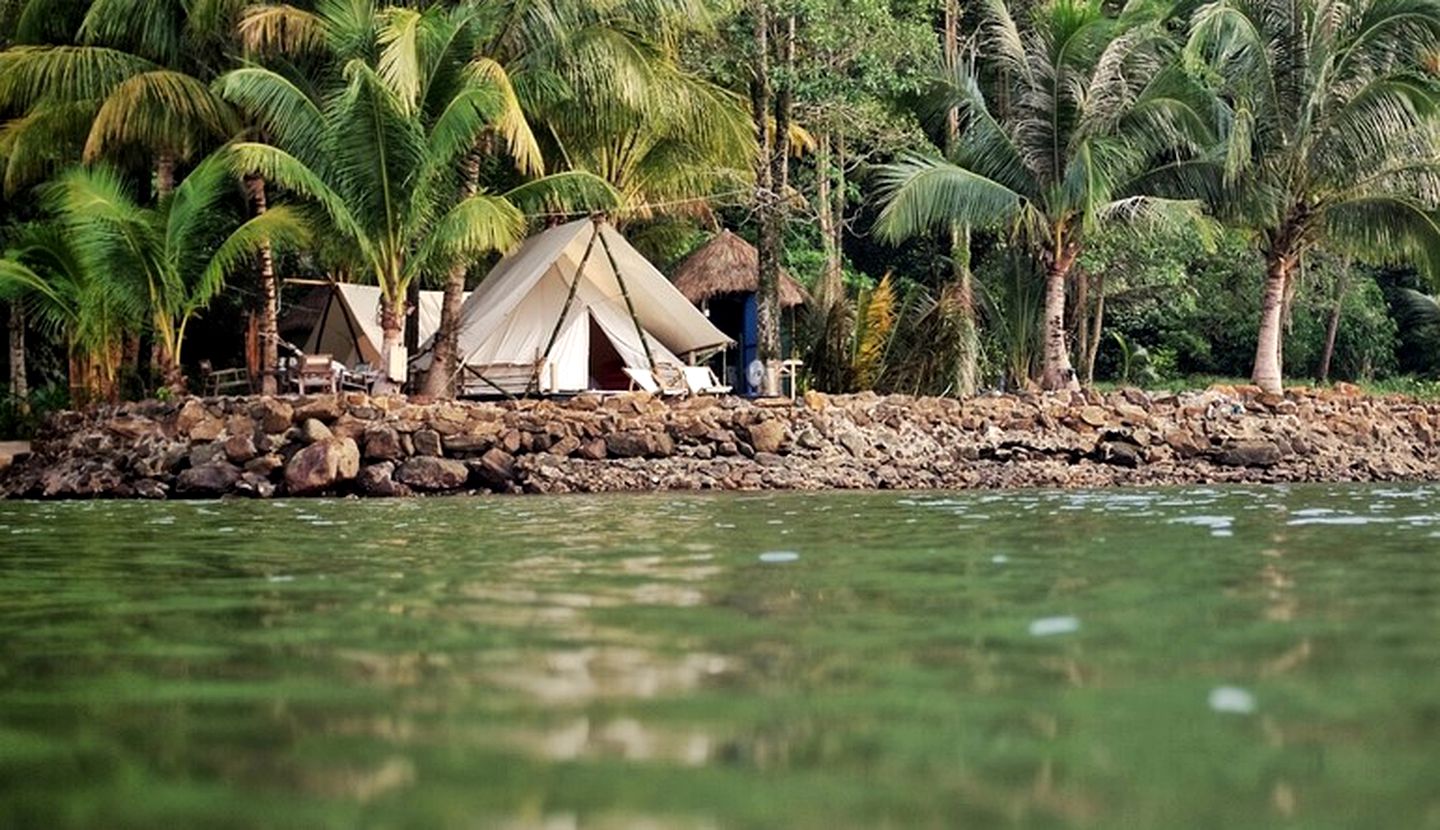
160, 108
921, 194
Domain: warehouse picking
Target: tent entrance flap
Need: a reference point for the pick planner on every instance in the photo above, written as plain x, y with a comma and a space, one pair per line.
607, 367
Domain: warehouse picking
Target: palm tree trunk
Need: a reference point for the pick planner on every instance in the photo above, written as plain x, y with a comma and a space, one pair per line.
774, 213
269, 299
1267, 374
1056, 372
830, 275
1333, 328
1097, 327
19, 381
164, 175
966, 369
439, 381
392, 326
768, 249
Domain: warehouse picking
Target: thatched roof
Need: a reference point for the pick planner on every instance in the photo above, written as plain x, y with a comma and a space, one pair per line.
728, 264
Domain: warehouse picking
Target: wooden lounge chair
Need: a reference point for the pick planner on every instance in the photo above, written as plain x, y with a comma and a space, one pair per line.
217, 382
315, 370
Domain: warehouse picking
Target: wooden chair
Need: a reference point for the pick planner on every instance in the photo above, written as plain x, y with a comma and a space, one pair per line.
217, 382
315, 370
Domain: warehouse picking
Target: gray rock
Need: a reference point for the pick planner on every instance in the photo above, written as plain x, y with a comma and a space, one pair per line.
767, 436
425, 472
322, 465
379, 480
255, 486
214, 479
1248, 453
324, 408
274, 415
313, 430
427, 442
239, 448
495, 469
464, 446
149, 488
382, 444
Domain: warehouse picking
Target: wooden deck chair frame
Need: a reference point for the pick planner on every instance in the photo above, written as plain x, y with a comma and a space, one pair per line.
315, 370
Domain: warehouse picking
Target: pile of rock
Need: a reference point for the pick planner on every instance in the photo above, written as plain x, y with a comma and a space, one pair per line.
392, 446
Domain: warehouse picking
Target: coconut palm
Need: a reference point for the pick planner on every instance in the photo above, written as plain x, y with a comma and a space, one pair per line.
87, 311
386, 178
131, 81
104, 255
1083, 106
1332, 136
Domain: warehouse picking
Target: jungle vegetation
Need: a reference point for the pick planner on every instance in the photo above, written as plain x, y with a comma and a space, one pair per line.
1034, 193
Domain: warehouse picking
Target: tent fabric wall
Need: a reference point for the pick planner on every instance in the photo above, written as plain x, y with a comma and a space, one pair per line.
508, 321
349, 325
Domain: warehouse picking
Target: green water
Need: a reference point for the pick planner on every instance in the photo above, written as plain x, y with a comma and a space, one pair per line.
1218, 658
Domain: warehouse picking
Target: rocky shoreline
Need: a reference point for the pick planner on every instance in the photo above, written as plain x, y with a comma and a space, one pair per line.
391, 446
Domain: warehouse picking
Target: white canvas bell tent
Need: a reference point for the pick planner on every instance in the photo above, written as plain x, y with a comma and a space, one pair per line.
565, 312
348, 327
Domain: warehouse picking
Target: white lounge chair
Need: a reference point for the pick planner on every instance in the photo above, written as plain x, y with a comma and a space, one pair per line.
642, 379
701, 380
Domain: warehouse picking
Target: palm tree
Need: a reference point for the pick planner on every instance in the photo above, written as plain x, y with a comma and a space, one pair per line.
1331, 135
386, 182
104, 255
88, 311
132, 80
1083, 106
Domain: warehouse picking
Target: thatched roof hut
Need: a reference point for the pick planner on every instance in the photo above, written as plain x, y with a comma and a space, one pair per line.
728, 264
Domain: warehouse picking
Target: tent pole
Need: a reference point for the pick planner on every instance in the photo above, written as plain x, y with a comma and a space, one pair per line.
565, 309
625, 292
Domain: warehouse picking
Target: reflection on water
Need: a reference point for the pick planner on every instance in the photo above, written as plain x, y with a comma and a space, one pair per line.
1169, 658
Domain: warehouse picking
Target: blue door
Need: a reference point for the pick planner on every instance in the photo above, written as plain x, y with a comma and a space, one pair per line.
749, 345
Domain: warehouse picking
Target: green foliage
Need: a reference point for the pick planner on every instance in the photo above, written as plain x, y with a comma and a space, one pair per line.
20, 419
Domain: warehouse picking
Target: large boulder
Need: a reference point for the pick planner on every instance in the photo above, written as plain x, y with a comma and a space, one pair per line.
427, 442
240, 449
767, 436
312, 430
379, 480
324, 408
1248, 453
496, 468
382, 443
213, 479
322, 465
274, 415
640, 444
425, 472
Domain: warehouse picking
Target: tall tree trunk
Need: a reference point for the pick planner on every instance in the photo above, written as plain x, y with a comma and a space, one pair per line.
768, 299
1278, 265
269, 334
1056, 372
767, 200
839, 196
19, 381
831, 279
164, 175
392, 327
1097, 324
967, 367
440, 380
1333, 328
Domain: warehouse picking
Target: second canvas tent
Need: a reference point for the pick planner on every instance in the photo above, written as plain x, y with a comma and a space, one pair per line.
573, 309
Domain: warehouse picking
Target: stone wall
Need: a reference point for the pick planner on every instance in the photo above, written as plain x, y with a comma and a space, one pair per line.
390, 446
